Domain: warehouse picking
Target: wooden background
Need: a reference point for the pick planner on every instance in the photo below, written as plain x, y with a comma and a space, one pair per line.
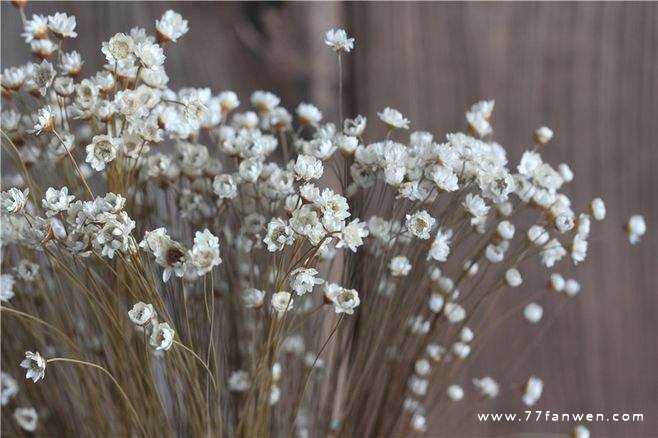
590, 71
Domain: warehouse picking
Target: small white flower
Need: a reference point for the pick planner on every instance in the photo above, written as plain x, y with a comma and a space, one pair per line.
171, 26
461, 350
35, 366
466, 334
13, 200
552, 253
282, 302
565, 172
454, 312
487, 386
580, 431
533, 390
118, 49
344, 300
302, 280
253, 298
476, 208
307, 167
557, 282
455, 392
205, 252
513, 278
478, 117
8, 388
420, 224
225, 186
355, 127
45, 121
399, 266
636, 228
422, 367
308, 114
35, 28
338, 40
238, 381
264, 101
162, 337
62, 25
102, 150
543, 135
418, 422
6, 287
393, 118
505, 230
571, 287
537, 235
150, 54
142, 313
533, 312
228, 101
57, 201
27, 418
597, 209
279, 234
351, 236
436, 302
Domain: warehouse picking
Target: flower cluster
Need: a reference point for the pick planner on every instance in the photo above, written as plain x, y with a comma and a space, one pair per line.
344, 259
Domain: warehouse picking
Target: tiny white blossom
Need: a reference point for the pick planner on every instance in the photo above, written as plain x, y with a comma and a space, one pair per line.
205, 252
338, 40
307, 167
279, 234
455, 392
393, 118
282, 302
102, 150
636, 227
171, 26
351, 236
45, 121
57, 201
162, 337
543, 135
344, 300
27, 418
13, 200
597, 208
513, 278
141, 313
420, 224
533, 312
580, 431
253, 298
118, 49
35, 366
6, 287
487, 386
238, 381
533, 390
399, 266
62, 25
302, 280
149, 54
8, 388
308, 114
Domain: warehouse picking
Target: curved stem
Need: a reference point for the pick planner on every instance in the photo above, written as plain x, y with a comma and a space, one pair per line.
186, 348
123, 394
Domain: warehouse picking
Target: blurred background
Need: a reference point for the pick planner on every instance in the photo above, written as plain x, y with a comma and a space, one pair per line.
587, 70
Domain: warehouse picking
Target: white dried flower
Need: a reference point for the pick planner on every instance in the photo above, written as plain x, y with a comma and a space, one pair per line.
513, 278
461, 350
597, 208
253, 298
454, 312
487, 386
171, 26
57, 201
436, 302
308, 114
27, 418
279, 234
6, 287
418, 422
393, 118
302, 280
455, 392
533, 312
162, 337
45, 121
422, 367
205, 252
355, 127
571, 287
142, 313
35, 28
149, 54
533, 390
557, 282
399, 266
351, 236
239, 381
580, 431
478, 117
62, 25
543, 135
636, 228
118, 49
8, 388
420, 224
338, 40
344, 300
282, 302
505, 230
35, 366
307, 167
537, 235
552, 253
102, 150
13, 200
